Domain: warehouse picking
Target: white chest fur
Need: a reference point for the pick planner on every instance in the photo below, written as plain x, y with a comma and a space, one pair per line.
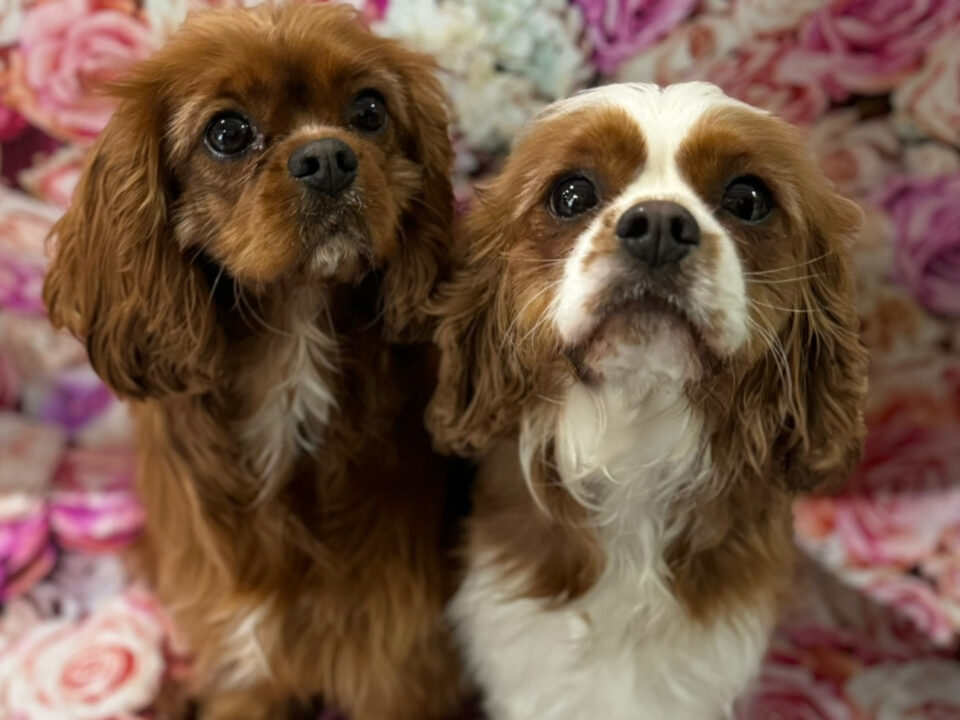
627, 650
623, 652
297, 400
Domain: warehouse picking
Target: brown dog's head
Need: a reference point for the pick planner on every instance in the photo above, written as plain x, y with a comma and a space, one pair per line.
272, 147
641, 237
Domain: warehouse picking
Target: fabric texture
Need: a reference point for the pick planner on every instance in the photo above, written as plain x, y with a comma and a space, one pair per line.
873, 631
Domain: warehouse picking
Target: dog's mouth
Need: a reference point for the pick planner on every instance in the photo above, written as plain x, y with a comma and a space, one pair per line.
638, 318
336, 241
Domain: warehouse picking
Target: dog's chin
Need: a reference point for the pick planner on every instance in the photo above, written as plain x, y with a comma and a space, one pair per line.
648, 336
338, 258
338, 245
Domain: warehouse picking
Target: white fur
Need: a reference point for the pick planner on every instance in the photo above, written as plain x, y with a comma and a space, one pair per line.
627, 650
297, 406
665, 118
629, 449
242, 662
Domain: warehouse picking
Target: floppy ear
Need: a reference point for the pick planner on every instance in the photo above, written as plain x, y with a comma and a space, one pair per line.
824, 422
427, 226
480, 381
118, 280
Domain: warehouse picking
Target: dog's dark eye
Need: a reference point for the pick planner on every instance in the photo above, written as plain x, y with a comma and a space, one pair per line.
748, 199
572, 196
228, 134
368, 113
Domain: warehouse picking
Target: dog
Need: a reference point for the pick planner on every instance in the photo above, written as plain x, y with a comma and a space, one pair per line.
650, 339
246, 258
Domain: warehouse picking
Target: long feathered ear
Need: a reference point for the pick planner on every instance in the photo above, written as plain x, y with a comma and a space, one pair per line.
118, 280
424, 253
481, 382
828, 362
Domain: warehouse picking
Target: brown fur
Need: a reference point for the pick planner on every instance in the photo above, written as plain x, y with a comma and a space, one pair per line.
185, 275
767, 440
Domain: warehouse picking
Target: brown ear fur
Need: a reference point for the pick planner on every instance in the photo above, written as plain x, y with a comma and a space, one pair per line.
426, 232
118, 280
826, 357
813, 418
480, 381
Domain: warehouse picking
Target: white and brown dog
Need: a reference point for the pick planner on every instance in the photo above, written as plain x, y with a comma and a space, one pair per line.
652, 338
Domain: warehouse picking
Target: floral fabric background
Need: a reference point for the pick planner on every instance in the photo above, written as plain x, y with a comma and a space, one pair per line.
874, 632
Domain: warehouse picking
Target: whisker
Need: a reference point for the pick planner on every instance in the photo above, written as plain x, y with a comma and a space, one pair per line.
788, 267
780, 282
779, 353
516, 318
259, 318
785, 309
534, 261
213, 286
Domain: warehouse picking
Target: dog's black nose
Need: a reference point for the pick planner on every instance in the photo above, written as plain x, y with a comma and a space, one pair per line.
658, 232
327, 165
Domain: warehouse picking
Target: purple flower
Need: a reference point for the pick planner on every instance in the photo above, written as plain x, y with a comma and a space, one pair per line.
21, 286
70, 400
26, 554
619, 29
927, 255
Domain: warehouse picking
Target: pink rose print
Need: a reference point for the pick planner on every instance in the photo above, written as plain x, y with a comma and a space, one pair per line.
107, 666
24, 225
944, 568
754, 74
686, 54
54, 179
37, 349
790, 691
26, 555
930, 100
867, 46
618, 29
857, 155
763, 17
929, 159
68, 48
29, 453
927, 257
915, 604
920, 690
12, 124
9, 382
21, 286
11, 16
904, 494
94, 507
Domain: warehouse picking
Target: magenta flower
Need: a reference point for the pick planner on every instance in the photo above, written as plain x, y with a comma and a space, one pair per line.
26, 554
927, 256
94, 507
619, 29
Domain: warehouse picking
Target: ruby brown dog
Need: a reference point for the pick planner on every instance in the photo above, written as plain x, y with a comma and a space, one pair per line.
652, 342
246, 258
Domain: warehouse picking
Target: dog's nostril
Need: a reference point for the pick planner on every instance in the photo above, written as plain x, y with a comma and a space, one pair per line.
676, 228
658, 232
633, 224
328, 165
346, 161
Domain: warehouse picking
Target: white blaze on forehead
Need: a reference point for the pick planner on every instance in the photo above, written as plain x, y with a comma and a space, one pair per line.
665, 118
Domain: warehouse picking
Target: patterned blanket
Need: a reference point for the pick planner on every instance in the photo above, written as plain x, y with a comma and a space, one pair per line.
876, 83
